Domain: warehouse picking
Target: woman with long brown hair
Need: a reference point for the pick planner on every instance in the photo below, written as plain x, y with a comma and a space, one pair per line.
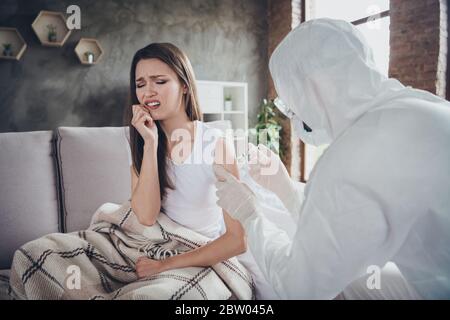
163, 102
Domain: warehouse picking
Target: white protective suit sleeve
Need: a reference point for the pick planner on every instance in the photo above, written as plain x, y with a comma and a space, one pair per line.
325, 254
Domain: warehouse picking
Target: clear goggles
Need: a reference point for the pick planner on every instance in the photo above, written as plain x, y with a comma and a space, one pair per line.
289, 113
284, 108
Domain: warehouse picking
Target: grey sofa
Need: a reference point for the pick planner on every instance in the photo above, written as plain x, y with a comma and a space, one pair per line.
53, 181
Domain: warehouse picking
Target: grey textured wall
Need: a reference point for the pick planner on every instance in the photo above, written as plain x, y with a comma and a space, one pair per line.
224, 39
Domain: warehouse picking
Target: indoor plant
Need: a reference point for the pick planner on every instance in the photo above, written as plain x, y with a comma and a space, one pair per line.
89, 56
51, 33
228, 103
267, 129
7, 49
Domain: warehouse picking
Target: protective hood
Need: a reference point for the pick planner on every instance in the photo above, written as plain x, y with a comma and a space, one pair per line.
325, 73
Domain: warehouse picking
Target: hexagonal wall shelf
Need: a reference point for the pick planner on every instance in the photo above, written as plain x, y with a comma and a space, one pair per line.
88, 51
12, 45
50, 27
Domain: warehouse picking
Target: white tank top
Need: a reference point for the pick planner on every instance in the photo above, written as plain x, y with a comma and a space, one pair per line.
193, 202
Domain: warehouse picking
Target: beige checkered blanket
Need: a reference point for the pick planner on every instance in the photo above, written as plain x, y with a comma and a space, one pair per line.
99, 263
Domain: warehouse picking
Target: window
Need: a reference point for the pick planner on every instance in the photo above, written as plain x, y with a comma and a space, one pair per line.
371, 17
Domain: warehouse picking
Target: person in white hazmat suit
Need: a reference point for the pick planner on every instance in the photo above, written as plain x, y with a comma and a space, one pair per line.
379, 193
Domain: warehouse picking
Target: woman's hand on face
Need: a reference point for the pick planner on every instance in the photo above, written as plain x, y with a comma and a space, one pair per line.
146, 267
144, 124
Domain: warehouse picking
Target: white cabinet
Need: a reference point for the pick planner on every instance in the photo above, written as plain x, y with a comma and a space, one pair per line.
212, 96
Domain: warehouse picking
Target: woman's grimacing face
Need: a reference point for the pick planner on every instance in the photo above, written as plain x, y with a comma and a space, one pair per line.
157, 83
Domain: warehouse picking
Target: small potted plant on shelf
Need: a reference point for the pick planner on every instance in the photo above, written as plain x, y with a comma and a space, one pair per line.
228, 103
89, 56
7, 50
51, 33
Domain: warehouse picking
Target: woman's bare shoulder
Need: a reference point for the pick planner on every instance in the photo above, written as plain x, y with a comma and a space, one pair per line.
225, 155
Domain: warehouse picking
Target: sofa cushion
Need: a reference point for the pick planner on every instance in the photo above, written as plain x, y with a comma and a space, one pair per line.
4, 284
28, 193
93, 169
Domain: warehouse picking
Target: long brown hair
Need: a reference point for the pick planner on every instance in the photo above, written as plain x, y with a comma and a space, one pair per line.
180, 64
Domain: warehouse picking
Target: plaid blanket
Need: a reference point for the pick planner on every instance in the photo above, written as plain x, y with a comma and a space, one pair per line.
99, 263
